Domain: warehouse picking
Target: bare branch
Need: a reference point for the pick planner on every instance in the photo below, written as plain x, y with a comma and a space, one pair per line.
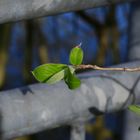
95, 67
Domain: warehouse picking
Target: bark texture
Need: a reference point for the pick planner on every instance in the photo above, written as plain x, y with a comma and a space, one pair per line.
132, 120
37, 107
15, 10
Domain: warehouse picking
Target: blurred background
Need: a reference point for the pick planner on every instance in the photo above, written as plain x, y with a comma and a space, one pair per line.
103, 33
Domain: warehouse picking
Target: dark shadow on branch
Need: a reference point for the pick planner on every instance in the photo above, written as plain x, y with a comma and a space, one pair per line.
95, 111
131, 91
26, 90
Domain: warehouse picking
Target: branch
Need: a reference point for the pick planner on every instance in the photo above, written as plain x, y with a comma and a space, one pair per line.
15, 10
95, 67
78, 131
132, 121
38, 107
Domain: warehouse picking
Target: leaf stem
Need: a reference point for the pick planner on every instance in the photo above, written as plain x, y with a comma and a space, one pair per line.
95, 67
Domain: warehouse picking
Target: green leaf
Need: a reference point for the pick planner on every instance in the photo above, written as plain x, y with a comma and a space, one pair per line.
43, 72
72, 69
56, 77
76, 56
134, 108
71, 80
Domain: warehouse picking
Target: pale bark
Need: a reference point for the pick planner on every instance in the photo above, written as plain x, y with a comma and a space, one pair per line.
78, 131
38, 107
15, 10
132, 120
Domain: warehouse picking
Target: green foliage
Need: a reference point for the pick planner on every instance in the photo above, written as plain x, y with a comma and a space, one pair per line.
56, 77
76, 56
52, 73
71, 80
46, 71
134, 108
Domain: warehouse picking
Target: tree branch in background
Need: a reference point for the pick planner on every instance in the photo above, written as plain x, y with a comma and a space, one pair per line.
34, 8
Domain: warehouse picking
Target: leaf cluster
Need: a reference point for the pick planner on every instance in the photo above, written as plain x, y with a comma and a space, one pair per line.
51, 73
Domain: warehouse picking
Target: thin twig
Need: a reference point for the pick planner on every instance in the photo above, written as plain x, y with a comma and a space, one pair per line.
95, 67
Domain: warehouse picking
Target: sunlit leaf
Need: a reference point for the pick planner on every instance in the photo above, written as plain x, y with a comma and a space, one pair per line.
72, 69
76, 56
56, 77
134, 108
71, 80
43, 72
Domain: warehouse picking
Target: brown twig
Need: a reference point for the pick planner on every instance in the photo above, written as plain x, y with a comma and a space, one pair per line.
95, 67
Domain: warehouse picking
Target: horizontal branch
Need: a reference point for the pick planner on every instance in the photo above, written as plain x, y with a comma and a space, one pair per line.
37, 107
14, 10
95, 67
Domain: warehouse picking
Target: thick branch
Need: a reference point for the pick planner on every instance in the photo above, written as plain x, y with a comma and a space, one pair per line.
78, 131
132, 121
14, 10
38, 107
